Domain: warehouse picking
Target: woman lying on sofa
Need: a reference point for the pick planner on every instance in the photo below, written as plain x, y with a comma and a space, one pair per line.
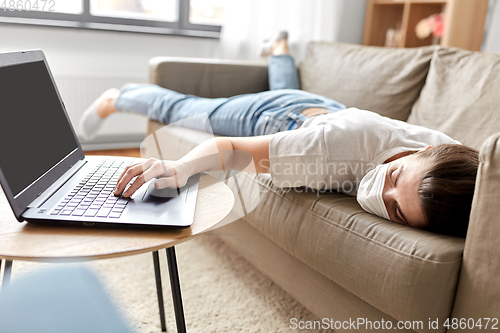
401, 172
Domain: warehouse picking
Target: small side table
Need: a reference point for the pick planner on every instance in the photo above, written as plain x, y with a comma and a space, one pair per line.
49, 243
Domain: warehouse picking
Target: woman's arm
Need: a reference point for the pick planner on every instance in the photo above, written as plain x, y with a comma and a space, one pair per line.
230, 155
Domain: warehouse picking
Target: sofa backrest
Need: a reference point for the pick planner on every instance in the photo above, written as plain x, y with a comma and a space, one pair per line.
384, 80
461, 96
212, 78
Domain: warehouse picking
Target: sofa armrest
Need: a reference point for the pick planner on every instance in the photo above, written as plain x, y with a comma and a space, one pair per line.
478, 294
208, 77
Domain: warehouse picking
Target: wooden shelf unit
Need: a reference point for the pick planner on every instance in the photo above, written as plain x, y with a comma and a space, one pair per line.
464, 21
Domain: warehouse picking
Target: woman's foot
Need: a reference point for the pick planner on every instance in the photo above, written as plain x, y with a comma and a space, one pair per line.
95, 114
277, 45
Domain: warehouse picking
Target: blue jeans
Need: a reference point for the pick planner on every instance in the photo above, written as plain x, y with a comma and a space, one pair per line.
244, 115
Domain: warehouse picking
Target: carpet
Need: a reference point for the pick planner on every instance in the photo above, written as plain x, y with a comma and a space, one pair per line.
221, 291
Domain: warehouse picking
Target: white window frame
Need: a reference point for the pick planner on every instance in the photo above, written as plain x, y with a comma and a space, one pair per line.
86, 20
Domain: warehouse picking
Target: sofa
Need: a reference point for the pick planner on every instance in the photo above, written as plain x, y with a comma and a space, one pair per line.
340, 262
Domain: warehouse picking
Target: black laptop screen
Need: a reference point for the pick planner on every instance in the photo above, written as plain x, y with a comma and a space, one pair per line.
34, 131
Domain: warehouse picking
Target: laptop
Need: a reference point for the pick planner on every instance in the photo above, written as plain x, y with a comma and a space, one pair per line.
44, 173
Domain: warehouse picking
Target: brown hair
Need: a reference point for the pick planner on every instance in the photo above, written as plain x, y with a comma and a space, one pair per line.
447, 188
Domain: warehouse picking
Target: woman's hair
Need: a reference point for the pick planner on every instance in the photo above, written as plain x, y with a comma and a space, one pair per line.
447, 188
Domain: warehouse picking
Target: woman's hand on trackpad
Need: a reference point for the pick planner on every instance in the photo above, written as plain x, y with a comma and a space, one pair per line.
171, 174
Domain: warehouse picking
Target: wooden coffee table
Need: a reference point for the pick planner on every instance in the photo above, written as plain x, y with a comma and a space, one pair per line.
49, 243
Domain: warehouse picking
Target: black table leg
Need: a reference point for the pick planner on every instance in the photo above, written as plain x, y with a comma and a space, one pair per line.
159, 290
176, 290
7, 273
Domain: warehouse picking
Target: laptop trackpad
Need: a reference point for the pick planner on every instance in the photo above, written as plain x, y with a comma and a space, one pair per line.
173, 209
152, 194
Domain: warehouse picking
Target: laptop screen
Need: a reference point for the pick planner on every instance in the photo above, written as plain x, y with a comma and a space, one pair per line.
34, 131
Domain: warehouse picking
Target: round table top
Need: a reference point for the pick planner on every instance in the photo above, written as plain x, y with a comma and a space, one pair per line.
37, 242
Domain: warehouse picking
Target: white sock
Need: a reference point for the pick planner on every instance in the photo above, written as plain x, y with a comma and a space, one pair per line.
265, 48
90, 123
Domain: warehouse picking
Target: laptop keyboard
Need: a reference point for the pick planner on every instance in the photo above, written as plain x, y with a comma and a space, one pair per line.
93, 196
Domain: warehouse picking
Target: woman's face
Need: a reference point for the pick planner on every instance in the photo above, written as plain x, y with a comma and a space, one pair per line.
400, 192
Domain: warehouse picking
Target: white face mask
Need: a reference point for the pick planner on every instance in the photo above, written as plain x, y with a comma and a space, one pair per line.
370, 191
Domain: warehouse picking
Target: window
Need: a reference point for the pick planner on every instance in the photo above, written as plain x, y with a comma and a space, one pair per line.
201, 18
206, 11
153, 10
68, 6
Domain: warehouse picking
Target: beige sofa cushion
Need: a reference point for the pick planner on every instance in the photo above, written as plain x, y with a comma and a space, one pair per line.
478, 292
461, 96
387, 81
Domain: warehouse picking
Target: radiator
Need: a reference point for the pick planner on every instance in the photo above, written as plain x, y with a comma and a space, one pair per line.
119, 130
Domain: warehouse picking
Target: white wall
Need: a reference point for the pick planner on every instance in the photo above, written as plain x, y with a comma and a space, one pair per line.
352, 21
86, 62
492, 30
101, 53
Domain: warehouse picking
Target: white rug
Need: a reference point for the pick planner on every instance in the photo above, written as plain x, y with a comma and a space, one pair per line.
221, 291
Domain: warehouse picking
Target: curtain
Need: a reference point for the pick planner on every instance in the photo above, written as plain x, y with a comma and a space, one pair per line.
492, 28
249, 22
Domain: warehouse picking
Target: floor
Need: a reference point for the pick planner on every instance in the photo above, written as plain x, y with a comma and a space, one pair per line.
131, 152
221, 291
